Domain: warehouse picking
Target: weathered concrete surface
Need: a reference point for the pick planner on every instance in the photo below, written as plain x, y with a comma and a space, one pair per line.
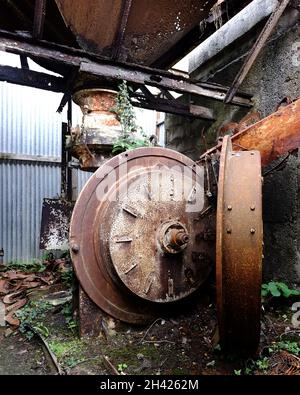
274, 76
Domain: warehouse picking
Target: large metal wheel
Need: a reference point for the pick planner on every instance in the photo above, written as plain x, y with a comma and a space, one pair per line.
137, 240
239, 248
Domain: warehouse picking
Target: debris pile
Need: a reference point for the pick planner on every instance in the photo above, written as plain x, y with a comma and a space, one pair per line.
18, 287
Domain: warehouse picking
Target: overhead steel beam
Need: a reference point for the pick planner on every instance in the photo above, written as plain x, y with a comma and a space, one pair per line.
156, 79
172, 107
32, 79
122, 71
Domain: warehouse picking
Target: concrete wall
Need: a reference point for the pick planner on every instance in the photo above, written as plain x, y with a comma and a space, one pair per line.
273, 77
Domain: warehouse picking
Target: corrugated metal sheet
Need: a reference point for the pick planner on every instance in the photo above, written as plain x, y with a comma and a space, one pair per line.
81, 178
29, 125
22, 189
29, 122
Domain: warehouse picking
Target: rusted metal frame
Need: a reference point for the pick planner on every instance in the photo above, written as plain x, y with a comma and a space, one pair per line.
32, 79
256, 49
69, 83
39, 18
158, 80
172, 107
273, 136
128, 72
116, 52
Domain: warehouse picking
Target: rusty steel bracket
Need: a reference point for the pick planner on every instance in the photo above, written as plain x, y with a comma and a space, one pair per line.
273, 136
239, 249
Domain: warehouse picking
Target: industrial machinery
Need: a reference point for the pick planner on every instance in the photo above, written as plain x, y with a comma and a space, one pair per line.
150, 225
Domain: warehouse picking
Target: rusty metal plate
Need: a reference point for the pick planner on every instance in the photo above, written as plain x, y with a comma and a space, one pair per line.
135, 233
56, 216
139, 31
239, 248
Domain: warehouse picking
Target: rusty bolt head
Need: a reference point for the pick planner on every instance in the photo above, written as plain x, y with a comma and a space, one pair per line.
75, 248
229, 207
228, 230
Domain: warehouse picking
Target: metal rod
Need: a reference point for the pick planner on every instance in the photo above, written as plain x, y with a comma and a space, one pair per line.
39, 18
116, 53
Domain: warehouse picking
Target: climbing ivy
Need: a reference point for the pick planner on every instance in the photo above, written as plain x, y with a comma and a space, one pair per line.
126, 115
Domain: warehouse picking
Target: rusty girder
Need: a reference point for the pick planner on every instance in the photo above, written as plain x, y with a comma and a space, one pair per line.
273, 136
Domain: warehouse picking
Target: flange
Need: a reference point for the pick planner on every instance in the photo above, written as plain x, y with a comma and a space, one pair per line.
134, 233
239, 248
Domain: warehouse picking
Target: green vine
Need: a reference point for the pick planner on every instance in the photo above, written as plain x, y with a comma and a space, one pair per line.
126, 115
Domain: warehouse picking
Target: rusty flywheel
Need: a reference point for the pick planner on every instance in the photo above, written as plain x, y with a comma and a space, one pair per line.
137, 237
239, 248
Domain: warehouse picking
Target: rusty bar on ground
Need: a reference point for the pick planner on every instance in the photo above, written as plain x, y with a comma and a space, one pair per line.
255, 50
273, 136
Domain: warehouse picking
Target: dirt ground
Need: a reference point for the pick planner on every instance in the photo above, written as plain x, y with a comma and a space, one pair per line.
181, 344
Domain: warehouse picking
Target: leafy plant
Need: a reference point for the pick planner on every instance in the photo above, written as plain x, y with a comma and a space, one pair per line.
35, 265
291, 347
126, 115
67, 277
278, 289
68, 313
122, 367
31, 315
263, 363
238, 372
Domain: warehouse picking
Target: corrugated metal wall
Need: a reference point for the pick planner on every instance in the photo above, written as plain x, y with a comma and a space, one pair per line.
29, 125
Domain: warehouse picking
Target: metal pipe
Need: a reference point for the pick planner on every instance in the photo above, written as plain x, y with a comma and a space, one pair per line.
236, 27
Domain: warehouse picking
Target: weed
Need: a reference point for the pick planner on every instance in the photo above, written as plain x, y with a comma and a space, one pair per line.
122, 367
263, 363
67, 277
126, 115
238, 372
35, 265
278, 289
68, 314
291, 347
31, 315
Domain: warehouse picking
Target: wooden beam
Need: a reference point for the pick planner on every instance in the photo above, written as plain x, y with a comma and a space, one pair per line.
31, 78
256, 49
